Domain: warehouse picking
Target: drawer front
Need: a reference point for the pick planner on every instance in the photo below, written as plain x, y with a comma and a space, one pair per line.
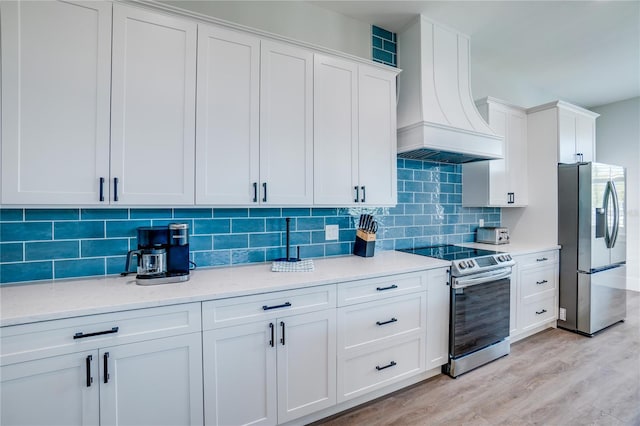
369, 323
353, 292
542, 258
246, 309
538, 312
50, 338
537, 280
378, 368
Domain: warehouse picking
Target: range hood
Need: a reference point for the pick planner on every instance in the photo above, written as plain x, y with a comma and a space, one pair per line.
437, 118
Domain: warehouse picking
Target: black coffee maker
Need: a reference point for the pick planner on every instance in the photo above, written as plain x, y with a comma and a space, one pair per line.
163, 254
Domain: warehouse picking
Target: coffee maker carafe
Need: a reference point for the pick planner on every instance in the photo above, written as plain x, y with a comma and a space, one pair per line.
162, 254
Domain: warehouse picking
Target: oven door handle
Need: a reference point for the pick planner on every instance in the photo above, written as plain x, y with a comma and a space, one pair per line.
482, 278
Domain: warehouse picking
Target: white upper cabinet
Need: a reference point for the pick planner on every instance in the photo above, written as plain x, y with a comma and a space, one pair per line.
499, 183
354, 134
227, 125
153, 108
286, 125
56, 72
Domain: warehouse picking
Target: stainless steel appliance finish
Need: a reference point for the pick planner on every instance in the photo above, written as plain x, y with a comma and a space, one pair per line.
480, 287
592, 233
492, 235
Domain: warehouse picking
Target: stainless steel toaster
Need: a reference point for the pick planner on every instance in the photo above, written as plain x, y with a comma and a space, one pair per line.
492, 235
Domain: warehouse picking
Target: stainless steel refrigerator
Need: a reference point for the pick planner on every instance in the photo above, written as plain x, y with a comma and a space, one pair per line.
592, 233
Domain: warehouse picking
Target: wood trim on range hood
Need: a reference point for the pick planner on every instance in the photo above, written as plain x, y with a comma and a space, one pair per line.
437, 118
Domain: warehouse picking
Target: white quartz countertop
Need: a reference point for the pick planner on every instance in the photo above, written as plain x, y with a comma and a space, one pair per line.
42, 301
514, 248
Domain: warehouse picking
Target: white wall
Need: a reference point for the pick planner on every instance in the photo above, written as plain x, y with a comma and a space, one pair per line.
293, 19
618, 142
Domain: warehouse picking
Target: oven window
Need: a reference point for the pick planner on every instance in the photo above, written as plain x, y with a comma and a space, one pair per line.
479, 316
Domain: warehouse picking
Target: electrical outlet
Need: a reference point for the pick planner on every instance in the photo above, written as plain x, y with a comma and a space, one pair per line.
331, 232
481, 223
563, 314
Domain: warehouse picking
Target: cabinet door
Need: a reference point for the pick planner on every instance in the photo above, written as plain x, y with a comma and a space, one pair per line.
566, 137
499, 123
335, 131
516, 146
437, 318
306, 364
156, 382
586, 137
56, 73
240, 375
286, 125
153, 108
377, 136
228, 102
61, 390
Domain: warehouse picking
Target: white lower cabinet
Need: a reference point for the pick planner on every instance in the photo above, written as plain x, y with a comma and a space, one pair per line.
118, 375
272, 371
438, 318
536, 306
381, 333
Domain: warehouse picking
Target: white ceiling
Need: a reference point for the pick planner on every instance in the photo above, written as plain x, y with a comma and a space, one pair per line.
585, 52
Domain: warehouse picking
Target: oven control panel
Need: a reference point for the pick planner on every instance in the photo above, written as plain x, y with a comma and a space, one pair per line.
480, 264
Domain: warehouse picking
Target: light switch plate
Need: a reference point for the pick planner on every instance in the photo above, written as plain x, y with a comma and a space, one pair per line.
481, 223
331, 232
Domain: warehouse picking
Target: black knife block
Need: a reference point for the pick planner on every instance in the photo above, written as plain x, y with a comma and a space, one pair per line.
365, 244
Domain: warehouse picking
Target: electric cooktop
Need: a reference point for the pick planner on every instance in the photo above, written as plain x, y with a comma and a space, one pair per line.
450, 252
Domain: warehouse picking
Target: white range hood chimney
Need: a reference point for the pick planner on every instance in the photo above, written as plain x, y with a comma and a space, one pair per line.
437, 118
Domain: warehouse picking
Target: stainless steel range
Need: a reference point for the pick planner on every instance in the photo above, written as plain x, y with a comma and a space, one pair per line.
479, 305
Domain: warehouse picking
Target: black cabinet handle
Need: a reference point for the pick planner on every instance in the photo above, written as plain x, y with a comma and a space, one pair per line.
284, 305
544, 259
580, 157
115, 189
101, 189
544, 311
391, 287
271, 326
106, 367
387, 322
541, 282
255, 192
511, 197
264, 192
89, 378
391, 364
357, 189
282, 325
364, 194
98, 333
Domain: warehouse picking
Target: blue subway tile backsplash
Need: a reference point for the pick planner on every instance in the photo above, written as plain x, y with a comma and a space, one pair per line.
41, 244
383, 46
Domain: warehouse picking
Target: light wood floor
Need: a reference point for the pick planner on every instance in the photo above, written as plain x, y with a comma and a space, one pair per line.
552, 378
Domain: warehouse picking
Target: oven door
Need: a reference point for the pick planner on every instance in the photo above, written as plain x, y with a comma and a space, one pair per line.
480, 305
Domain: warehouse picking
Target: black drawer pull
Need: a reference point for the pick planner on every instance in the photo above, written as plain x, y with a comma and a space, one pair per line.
106, 367
271, 326
391, 364
387, 322
544, 259
89, 378
544, 311
391, 287
97, 333
542, 282
284, 305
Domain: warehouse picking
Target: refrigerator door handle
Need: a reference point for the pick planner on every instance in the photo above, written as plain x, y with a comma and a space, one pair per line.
605, 208
616, 214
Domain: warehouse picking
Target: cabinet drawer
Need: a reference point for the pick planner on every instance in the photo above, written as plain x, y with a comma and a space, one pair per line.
537, 280
50, 338
361, 291
542, 258
378, 368
368, 323
246, 309
538, 312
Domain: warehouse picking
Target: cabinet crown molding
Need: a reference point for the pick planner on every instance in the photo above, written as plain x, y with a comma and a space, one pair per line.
491, 100
563, 105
